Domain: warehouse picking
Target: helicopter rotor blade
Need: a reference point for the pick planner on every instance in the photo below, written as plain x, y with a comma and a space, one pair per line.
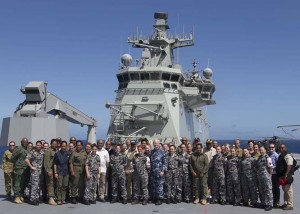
285, 126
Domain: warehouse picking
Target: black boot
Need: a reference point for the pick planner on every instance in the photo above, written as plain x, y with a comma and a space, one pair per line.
73, 201
8, 197
168, 201
145, 202
35, 203
86, 202
158, 202
124, 201
93, 201
134, 201
114, 200
268, 208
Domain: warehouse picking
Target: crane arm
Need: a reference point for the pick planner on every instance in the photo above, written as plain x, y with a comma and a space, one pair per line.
58, 107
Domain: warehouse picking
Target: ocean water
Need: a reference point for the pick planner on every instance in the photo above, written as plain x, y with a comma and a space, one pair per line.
292, 145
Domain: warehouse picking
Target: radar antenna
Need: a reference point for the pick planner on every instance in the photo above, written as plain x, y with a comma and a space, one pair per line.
194, 63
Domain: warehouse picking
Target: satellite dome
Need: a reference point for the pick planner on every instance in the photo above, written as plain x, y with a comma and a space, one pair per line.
207, 73
126, 59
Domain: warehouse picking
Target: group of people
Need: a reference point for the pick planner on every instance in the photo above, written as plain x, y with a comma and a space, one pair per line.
139, 172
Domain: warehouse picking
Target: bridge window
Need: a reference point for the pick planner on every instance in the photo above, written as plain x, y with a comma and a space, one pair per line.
175, 77
144, 76
120, 78
181, 80
155, 76
207, 88
134, 76
125, 77
166, 76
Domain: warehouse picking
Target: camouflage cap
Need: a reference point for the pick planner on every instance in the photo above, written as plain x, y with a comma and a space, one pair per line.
209, 141
197, 139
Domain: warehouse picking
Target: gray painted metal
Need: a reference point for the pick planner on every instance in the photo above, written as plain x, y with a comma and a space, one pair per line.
155, 99
34, 128
43, 116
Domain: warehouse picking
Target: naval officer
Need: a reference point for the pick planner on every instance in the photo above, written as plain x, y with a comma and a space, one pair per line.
8, 168
21, 170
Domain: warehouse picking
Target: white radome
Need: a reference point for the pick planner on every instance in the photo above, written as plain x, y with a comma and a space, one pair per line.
126, 59
207, 73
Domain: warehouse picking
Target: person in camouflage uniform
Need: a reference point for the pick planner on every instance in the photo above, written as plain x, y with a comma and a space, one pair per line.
248, 178
264, 168
238, 150
129, 167
172, 175
184, 178
233, 181
48, 167
21, 171
8, 168
140, 177
45, 147
218, 187
256, 152
118, 163
77, 173
92, 168
147, 153
35, 162
158, 169
199, 167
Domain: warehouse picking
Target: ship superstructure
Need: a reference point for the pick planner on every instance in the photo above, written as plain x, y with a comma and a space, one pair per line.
155, 99
43, 115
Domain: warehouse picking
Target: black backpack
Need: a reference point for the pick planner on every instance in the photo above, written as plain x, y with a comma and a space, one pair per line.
281, 166
294, 167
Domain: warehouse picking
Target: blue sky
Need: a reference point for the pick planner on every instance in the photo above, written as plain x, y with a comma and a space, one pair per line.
253, 48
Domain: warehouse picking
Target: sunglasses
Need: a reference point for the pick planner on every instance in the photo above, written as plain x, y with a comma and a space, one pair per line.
271, 147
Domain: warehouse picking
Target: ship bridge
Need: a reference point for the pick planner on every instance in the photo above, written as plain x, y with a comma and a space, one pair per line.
155, 98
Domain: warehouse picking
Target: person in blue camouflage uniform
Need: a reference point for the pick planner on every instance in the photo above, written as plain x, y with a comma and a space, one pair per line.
158, 169
184, 178
218, 187
92, 169
118, 163
248, 178
35, 162
264, 171
140, 177
172, 175
233, 181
